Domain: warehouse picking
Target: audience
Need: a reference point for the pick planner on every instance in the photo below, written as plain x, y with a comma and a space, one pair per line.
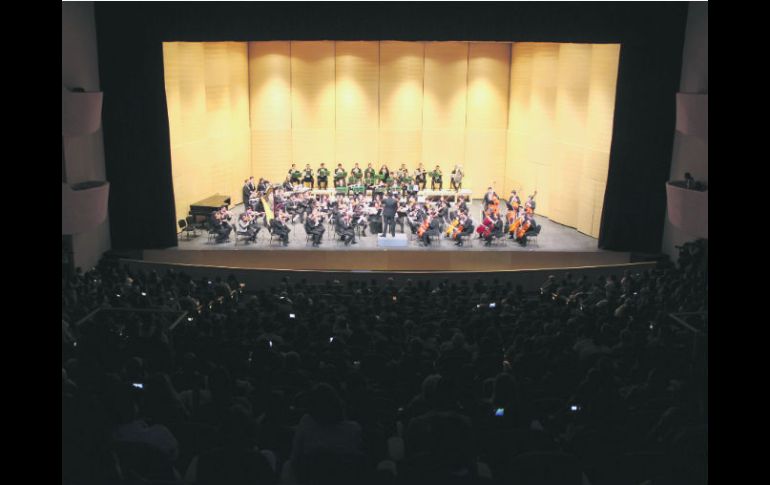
395, 382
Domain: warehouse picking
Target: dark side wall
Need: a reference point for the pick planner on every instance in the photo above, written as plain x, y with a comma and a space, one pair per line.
691, 153
82, 156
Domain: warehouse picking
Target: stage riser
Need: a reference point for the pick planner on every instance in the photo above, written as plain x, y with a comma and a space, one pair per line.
530, 280
384, 260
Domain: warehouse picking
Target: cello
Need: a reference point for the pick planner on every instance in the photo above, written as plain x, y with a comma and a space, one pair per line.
424, 226
449, 232
512, 228
523, 229
485, 228
457, 230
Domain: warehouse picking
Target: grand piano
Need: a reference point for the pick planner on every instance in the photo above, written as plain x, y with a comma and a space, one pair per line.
201, 210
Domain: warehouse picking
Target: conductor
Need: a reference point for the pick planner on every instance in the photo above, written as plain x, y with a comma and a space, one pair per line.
389, 208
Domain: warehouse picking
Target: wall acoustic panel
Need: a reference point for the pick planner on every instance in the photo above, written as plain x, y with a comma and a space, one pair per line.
270, 109
401, 100
522, 116
486, 121
444, 102
312, 103
207, 93
357, 85
561, 109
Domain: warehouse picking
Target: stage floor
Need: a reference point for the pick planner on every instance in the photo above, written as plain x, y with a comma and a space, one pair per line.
553, 237
557, 246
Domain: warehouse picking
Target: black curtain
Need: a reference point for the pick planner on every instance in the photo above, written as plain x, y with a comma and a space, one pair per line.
135, 121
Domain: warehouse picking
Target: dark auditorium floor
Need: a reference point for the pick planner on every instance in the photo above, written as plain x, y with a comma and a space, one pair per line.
553, 237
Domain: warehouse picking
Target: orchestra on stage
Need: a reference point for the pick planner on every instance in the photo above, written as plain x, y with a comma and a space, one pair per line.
378, 201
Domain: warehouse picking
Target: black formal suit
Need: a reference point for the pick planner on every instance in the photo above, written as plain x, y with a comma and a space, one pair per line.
220, 227
389, 208
315, 229
246, 195
346, 230
281, 230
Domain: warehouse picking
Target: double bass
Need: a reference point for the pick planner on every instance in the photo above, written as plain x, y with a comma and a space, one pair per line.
494, 205
529, 206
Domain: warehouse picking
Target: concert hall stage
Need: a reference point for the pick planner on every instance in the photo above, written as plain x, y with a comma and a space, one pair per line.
557, 246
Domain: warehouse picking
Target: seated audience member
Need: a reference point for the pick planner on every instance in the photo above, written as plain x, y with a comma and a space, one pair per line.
324, 432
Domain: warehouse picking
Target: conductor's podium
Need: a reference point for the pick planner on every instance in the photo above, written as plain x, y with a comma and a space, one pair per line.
400, 241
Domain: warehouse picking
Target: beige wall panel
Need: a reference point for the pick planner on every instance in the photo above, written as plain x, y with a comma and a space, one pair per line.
313, 102
443, 147
360, 146
271, 154
542, 111
601, 95
561, 108
444, 104
401, 102
524, 116
270, 113
488, 84
313, 147
208, 119
520, 90
270, 85
573, 79
400, 146
357, 102
446, 78
487, 116
485, 160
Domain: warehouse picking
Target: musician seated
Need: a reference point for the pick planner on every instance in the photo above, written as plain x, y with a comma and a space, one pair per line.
246, 228
279, 228
361, 220
220, 227
346, 230
467, 225
295, 208
490, 228
323, 177
314, 227
530, 228
254, 218
457, 177
432, 231
308, 177
436, 179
